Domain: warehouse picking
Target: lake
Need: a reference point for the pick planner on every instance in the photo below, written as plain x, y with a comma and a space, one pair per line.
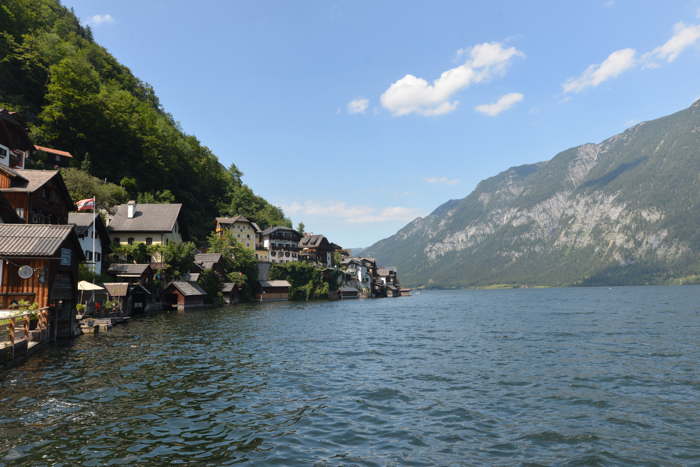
578, 376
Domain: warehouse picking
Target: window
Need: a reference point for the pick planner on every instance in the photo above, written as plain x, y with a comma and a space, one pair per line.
149, 241
88, 255
98, 257
274, 253
20, 212
117, 240
130, 241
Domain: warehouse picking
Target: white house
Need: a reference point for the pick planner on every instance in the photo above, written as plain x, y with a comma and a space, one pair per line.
85, 227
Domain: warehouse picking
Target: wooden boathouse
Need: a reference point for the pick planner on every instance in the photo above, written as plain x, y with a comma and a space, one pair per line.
39, 264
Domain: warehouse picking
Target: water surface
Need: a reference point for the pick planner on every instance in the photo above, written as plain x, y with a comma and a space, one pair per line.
553, 376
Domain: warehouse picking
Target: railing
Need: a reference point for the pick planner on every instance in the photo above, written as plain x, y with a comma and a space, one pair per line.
15, 327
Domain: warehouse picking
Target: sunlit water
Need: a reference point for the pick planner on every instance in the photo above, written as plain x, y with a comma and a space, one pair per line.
558, 376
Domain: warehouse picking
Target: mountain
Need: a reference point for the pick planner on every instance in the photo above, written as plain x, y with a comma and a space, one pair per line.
77, 97
624, 211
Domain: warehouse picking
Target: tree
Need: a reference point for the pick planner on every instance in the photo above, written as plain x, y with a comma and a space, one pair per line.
178, 258
301, 228
82, 185
240, 263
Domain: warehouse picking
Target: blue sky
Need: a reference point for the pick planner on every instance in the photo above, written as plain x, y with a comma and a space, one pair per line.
358, 116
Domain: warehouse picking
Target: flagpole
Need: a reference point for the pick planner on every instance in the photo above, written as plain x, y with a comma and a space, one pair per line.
94, 229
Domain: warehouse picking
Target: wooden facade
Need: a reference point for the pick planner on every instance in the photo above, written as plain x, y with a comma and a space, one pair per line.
53, 283
273, 291
38, 196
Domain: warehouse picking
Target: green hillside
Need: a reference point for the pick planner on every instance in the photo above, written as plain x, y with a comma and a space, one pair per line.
625, 211
79, 98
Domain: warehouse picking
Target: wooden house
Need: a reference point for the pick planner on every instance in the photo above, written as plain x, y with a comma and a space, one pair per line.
243, 230
132, 273
7, 213
183, 295
15, 145
39, 264
131, 298
273, 291
316, 249
85, 223
207, 261
53, 157
347, 293
37, 196
231, 293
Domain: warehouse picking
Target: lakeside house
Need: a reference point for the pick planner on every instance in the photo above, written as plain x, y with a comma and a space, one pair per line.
231, 293
39, 264
281, 244
184, 295
86, 224
316, 249
37, 196
206, 262
130, 298
152, 224
273, 291
132, 273
244, 231
15, 145
54, 157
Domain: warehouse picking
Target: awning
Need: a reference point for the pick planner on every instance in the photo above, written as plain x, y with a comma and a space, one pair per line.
88, 286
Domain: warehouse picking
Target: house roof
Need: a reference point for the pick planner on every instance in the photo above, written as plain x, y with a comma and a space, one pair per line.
33, 179
234, 219
386, 271
82, 222
32, 239
312, 241
191, 276
274, 284
53, 151
147, 218
228, 287
188, 289
207, 260
270, 230
117, 289
127, 269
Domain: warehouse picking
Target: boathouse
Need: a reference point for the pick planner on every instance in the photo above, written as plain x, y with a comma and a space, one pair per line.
345, 293
274, 291
231, 293
132, 273
130, 298
39, 264
184, 295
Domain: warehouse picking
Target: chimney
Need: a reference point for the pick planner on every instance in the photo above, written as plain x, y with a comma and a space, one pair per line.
131, 209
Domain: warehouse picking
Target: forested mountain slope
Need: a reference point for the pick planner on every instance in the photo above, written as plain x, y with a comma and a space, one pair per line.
79, 98
625, 211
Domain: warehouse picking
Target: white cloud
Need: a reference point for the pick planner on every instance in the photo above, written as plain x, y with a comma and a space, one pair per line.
442, 180
683, 37
617, 63
358, 106
351, 214
414, 95
504, 103
96, 20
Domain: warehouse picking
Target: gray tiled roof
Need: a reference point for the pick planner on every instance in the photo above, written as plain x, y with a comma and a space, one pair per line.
117, 289
127, 269
35, 179
188, 289
207, 260
148, 218
274, 284
311, 241
228, 287
32, 239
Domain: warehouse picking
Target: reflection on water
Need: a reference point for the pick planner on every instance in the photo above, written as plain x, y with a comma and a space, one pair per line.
580, 376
